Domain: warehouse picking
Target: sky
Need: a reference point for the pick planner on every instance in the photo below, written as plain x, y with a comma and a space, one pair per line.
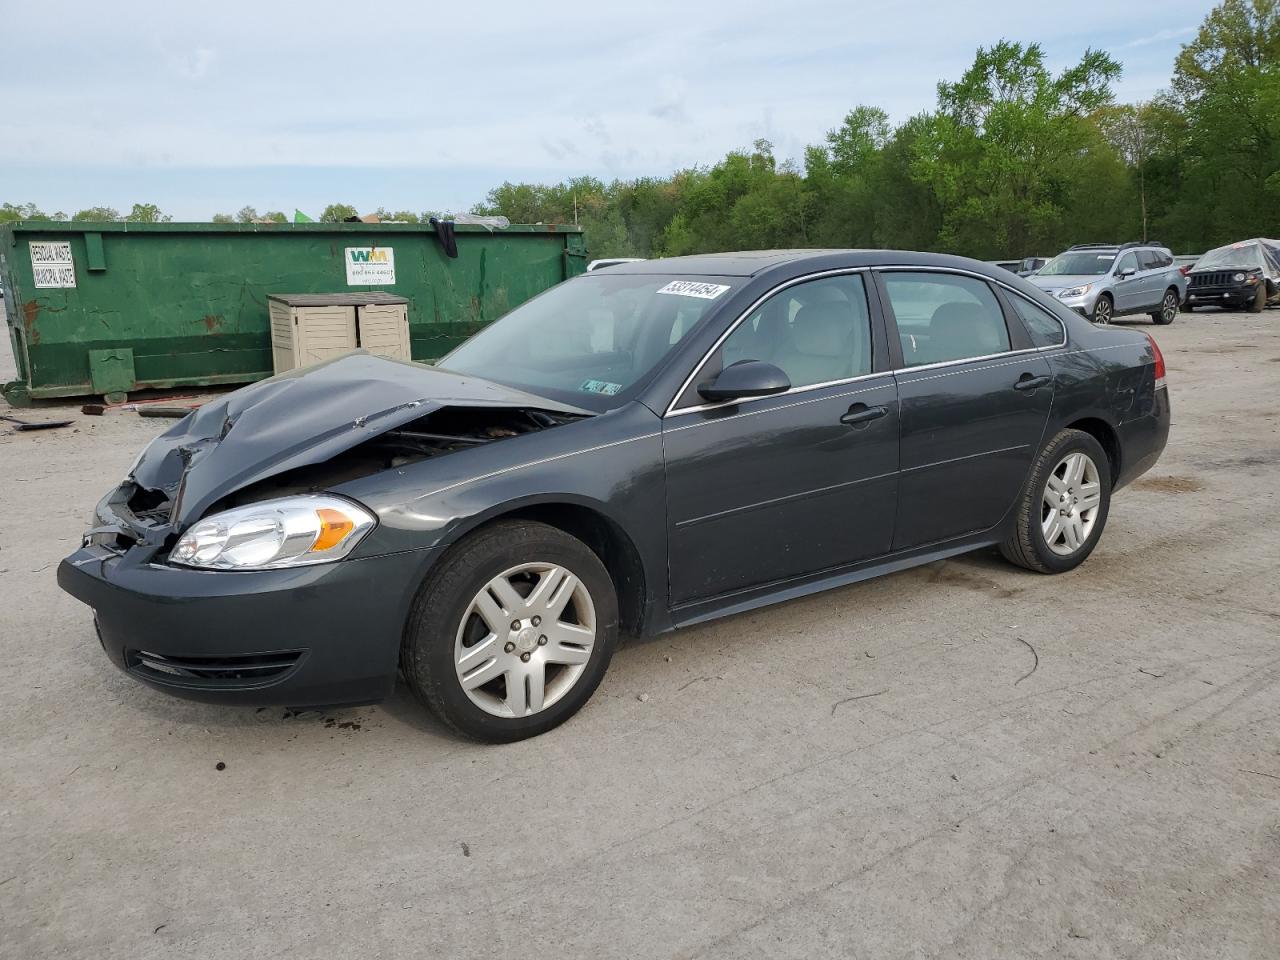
204, 108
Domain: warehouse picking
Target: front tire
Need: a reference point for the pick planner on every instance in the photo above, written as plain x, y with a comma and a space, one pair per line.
1168, 309
1103, 310
511, 632
1063, 507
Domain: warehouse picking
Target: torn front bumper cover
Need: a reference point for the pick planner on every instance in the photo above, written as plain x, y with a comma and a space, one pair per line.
319, 635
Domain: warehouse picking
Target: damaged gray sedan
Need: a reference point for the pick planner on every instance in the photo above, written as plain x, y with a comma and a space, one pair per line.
635, 450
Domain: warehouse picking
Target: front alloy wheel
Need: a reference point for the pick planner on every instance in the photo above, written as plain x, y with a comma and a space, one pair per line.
525, 639
511, 632
1102, 310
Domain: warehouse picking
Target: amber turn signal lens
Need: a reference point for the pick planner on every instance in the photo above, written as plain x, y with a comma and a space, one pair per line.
334, 527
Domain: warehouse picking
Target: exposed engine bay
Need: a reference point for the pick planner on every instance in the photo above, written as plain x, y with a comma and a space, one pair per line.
442, 431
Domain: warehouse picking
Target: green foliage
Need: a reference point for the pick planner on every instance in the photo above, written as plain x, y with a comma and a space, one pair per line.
1013, 160
26, 211
147, 213
97, 214
338, 212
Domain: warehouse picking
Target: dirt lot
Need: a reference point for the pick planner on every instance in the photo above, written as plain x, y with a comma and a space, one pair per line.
960, 761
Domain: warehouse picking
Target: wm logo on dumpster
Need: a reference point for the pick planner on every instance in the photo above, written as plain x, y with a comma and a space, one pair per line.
370, 266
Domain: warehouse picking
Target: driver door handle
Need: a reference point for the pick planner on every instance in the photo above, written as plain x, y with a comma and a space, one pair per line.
1028, 382
860, 415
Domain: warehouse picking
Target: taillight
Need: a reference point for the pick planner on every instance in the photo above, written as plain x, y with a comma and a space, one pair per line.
1159, 371
1185, 270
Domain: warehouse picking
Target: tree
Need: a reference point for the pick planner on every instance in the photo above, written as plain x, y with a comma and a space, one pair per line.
1007, 142
399, 216
103, 214
223, 218
147, 213
246, 214
26, 211
337, 213
1227, 83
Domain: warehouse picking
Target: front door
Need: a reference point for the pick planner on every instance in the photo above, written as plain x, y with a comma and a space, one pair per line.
779, 487
974, 400
1128, 291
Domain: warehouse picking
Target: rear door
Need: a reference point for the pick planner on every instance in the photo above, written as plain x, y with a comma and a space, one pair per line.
974, 396
1152, 271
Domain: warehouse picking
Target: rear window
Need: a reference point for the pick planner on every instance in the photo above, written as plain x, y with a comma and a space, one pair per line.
1044, 328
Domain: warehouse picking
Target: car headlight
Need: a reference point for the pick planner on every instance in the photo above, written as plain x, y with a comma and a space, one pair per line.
1238, 278
290, 532
1075, 291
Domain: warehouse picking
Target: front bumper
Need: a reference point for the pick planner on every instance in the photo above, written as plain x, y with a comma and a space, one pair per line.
1082, 305
327, 634
1233, 296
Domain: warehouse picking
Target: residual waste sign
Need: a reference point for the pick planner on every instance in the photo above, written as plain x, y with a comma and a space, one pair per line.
51, 263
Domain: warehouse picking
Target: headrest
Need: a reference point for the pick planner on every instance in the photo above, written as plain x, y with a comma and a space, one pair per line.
966, 325
822, 329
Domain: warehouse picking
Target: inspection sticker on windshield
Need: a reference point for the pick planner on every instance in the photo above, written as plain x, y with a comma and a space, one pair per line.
600, 386
695, 288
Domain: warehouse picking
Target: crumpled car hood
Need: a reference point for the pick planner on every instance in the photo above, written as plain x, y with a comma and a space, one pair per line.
301, 418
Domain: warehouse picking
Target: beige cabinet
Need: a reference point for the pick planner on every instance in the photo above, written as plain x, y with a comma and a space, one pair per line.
311, 328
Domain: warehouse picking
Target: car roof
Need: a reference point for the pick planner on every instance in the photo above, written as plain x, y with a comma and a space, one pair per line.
751, 263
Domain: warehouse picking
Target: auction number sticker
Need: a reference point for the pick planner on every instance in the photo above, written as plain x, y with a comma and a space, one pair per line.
51, 263
694, 288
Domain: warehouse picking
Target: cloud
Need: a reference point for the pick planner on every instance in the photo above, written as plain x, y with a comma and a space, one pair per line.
1160, 36
526, 87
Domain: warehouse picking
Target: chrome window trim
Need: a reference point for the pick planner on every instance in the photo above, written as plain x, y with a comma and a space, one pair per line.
672, 410
836, 272
785, 406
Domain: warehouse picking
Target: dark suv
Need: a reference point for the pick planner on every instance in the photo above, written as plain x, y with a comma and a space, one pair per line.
1238, 275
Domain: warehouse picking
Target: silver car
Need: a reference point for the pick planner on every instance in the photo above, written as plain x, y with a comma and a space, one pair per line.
1109, 280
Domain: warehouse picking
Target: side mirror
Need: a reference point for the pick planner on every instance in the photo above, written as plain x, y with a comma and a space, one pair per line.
1126, 273
743, 380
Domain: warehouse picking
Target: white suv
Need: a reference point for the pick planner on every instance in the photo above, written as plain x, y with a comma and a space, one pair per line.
1105, 280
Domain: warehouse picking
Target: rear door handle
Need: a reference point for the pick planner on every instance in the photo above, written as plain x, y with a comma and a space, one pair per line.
860, 414
1028, 382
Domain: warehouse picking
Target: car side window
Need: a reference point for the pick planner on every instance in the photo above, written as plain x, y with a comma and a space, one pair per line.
1149, 259
1127, 262
815, 332
943, 316
1044, 328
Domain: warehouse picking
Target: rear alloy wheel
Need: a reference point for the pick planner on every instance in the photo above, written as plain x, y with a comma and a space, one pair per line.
1102, 310
1168, 309
511, 632
1063, 507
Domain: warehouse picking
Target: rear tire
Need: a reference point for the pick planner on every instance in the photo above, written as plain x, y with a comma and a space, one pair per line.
447, 636
1259, 299
1054, 528
1168, 308
1103, 310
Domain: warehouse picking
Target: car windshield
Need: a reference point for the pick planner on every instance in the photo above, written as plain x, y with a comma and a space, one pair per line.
1075, 263
1244, 255
592, 340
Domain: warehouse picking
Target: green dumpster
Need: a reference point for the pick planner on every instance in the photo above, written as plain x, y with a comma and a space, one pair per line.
112, 307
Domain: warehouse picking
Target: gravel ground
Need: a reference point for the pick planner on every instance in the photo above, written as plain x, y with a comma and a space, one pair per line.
962, 761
